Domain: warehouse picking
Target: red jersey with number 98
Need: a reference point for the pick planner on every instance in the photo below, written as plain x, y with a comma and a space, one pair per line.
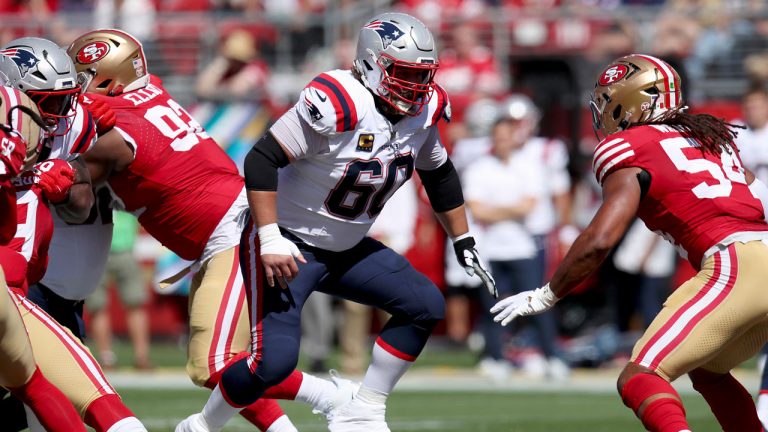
181, 183
695, 199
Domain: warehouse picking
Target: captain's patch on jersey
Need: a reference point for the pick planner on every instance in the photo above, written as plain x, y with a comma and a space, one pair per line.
365, 143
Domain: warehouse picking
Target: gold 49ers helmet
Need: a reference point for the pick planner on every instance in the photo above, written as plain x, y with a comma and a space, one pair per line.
109, 62
18, 114
634, 88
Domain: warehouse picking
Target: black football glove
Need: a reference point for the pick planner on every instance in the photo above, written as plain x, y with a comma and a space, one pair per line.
470, 260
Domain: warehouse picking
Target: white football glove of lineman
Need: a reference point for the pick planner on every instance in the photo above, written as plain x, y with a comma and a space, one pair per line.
464, 246
523, 304
272, 242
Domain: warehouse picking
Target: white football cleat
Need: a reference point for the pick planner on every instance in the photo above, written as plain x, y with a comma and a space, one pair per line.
194, 423
359, 416
345, 391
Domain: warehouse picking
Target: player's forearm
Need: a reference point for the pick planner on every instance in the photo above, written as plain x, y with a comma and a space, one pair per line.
77, 207
454, 221
263, 206
585, 256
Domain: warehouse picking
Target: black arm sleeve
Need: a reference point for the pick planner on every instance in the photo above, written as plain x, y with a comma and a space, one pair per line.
262, 162
443, 187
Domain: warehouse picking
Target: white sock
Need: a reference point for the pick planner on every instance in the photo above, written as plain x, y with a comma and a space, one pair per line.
283, 424
217, 411
371, 396
32, 421
762, 409
128, 424
384, 371
314, 389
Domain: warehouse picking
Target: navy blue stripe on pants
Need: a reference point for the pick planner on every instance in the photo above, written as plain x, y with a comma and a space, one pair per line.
368, 273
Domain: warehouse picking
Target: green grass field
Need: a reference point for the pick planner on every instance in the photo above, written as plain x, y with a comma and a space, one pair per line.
443, 411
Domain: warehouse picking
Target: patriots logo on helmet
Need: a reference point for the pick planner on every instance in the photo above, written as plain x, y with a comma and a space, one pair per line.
24, 58
387, 31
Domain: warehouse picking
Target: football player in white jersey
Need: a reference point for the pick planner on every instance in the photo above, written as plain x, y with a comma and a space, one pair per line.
316, 182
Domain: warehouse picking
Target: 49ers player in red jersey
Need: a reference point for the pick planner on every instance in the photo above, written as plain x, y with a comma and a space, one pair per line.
161, 165
681, 174
19, 146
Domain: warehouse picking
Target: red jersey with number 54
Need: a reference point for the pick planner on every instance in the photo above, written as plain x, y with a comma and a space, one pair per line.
695, 199
180, 183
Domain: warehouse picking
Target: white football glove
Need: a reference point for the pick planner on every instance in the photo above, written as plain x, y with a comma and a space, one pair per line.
523, 304
273, 243
470, 260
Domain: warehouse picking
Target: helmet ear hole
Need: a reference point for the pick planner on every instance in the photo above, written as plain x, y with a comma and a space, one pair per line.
104, 84
367, 65
617, 112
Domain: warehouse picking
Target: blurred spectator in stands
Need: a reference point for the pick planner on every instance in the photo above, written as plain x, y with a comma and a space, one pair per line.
123, 270
645, 263
461, 289
674, 41
236, 73
395, 228
468, 71
753, 141
501, 191
136, 17
317, 325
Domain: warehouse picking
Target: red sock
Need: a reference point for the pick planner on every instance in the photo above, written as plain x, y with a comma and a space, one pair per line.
287, 389
729, 401
665, 414
105, 412
262, 413
49, 404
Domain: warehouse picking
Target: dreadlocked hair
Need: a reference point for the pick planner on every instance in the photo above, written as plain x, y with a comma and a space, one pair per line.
714, 134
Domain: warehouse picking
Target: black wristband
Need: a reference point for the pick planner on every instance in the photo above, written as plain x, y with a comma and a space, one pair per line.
443, 187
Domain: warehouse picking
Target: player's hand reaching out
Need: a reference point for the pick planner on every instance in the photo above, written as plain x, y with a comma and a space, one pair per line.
468, 257
102, 113
525, 303
277, 255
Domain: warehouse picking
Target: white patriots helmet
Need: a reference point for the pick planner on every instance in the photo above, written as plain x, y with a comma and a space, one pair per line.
397, 60
44, 72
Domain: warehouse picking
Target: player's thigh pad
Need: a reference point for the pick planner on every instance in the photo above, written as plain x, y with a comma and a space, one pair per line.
717, 315
218, 319
16, 361
373, 274
66, 362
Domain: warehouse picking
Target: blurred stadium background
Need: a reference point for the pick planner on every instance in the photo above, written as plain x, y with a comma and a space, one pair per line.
238, 64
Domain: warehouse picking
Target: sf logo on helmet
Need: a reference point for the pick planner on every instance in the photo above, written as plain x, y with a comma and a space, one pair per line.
387, 31
92, 52
613, 74
24, 58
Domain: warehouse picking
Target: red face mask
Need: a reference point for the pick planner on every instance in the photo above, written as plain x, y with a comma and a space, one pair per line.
409, 85
55, 105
